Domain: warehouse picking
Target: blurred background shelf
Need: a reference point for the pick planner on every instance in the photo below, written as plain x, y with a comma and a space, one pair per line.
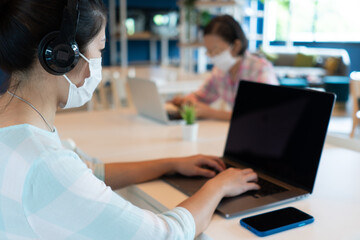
169, 27
191, 45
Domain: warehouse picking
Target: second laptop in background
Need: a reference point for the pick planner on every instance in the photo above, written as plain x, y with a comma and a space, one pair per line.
149, 103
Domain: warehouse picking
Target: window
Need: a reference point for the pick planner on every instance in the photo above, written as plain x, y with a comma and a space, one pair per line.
313, 20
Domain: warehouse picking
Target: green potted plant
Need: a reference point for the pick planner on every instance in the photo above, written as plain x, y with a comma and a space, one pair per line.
190, 126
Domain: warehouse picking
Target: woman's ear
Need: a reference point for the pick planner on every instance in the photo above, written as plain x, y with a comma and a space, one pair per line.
236, 48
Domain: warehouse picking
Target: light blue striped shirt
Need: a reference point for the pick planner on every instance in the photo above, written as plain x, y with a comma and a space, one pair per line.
47, 192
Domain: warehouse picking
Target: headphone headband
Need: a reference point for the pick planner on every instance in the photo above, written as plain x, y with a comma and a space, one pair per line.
58, 51
70, 20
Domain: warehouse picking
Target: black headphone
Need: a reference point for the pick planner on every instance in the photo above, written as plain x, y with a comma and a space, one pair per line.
58, 51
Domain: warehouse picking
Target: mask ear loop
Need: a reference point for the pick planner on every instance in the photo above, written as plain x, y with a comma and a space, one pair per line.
66, 77
85, 58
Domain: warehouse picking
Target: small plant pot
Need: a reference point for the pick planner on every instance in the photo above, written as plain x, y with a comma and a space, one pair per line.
190, 132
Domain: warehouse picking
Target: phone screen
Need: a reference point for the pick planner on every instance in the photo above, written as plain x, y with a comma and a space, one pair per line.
282, 219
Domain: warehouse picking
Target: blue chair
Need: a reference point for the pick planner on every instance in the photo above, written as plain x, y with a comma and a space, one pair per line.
294, 82
338, 85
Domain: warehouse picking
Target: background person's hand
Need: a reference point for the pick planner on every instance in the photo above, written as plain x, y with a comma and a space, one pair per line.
203, 110
233, 181
179, 101
199, 165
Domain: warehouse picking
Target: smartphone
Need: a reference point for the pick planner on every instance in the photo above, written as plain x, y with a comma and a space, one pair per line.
276, 221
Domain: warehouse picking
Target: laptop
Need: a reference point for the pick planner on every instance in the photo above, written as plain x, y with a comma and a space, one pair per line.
148, 102
280, 133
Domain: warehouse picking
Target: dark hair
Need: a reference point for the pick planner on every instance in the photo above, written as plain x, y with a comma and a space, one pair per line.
23, 23
228, 29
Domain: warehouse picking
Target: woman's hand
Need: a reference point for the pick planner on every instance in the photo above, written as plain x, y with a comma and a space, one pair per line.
228, 183
199, 165
233, 181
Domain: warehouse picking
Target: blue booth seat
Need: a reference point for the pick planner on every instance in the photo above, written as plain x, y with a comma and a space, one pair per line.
338, 85
294, 82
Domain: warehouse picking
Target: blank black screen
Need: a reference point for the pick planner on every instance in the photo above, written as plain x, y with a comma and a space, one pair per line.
279, 130
276, 219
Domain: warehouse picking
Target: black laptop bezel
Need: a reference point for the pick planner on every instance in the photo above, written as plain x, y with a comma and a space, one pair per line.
243, 85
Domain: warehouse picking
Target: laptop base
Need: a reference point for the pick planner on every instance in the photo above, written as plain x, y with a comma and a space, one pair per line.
234, 206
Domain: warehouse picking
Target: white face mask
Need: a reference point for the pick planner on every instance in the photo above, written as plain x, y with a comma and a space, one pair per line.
78, 96
224, 61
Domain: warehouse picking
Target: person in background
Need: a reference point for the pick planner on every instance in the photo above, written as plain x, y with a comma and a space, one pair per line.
226, 46
51, 50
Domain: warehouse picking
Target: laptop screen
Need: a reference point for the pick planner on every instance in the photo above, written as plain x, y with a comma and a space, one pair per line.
279, 131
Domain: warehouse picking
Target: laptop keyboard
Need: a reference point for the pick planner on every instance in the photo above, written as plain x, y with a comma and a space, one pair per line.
174, 116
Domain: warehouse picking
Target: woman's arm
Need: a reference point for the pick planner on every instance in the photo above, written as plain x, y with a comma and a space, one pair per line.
85, 206
230, 182
220, 115
205, 111
207, 93
118, 175
60, 185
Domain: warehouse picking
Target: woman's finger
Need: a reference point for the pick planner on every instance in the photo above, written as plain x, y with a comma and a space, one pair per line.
247, 171
251, 186
210, 162
205, 172
218, 160
251, 177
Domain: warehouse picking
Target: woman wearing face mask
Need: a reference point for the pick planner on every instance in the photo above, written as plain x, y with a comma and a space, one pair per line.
47, 192
226, 46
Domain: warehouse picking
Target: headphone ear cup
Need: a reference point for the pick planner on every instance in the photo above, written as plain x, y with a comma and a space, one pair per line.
57, 57
45, 42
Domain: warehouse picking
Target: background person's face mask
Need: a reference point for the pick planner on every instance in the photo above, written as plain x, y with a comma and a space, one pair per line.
78, 96
224, 61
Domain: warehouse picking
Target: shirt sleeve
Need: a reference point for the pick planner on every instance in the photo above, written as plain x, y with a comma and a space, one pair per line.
62, 199
96, 165
266, 74
209, 91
